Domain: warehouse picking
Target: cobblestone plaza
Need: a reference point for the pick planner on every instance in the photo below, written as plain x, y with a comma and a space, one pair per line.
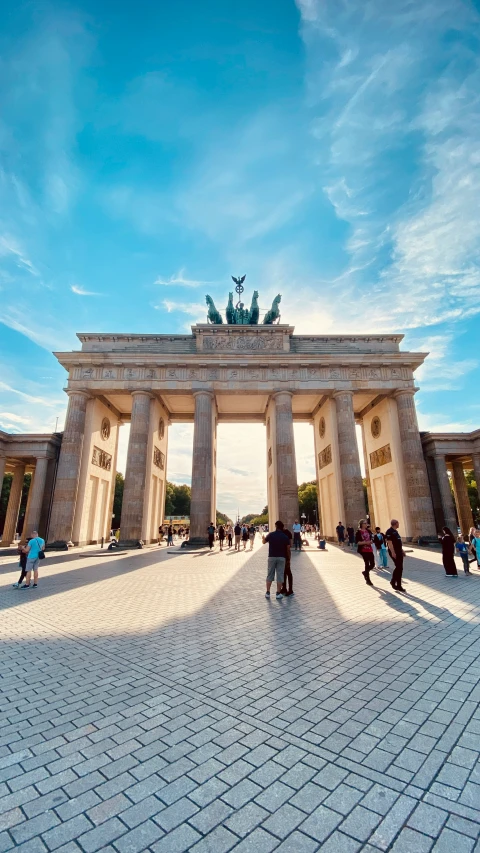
154, 701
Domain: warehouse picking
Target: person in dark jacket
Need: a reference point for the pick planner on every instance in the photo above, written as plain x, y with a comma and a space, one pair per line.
448, 553
363, 538
22, 552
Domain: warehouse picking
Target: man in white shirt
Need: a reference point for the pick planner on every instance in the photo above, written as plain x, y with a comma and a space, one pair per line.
297, 539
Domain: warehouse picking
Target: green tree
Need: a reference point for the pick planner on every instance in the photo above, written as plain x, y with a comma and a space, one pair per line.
308, 500
222, 518
7, 485
117, 500
473, 493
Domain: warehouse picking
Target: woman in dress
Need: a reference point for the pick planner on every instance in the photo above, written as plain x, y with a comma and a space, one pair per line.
448, 552
363, 539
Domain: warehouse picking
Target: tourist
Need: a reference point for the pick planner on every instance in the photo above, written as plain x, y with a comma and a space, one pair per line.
395, 549
35, 547
475, 545
211, 535
287, 588
471, 540
350, 536
297, 539
22, 553
244, 536
341, 534
169, 535
363, 538
448, 553
221, 536
229, 532
251, 535
238, 533
278, 550
381, 549
461, 548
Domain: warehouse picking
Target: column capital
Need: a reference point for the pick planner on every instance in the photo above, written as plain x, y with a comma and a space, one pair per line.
143, 393
205, 391
342, 391
71, 393
278, 393
402, 392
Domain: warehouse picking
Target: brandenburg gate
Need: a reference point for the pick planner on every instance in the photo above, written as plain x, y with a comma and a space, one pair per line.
240, 371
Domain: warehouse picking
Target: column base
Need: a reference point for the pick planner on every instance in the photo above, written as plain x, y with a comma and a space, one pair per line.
130, 544
195, 543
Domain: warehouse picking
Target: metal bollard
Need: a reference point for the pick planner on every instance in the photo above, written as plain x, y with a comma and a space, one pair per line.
103, 540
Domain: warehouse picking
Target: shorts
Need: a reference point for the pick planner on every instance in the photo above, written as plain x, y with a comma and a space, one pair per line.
32, 565
276, 565
237, 540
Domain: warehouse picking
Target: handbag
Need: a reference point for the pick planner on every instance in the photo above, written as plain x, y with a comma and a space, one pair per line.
41, 554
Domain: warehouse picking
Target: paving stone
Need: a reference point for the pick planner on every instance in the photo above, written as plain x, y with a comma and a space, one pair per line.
409, 841
258, 841
220, 840
427, 819
245, 820
209, 817
321, 823
178, 841
140, 838
360, 823
172, 816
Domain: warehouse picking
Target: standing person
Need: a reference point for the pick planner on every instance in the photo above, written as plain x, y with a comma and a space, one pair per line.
341, 533
35, 547
395, 549
211, 534
475, 544
244, 536
380, 544
221, 536
297, 539
287, 588
22, 553
251, 536
238, 533
471, 539
350, 536
363, 538
278, 550
448, 552
169, 535
229, 535
461, 548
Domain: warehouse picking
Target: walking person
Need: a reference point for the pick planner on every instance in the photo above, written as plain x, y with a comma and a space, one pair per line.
22, 553
473, 549
395, 549
229, 535
363, 538
287, 588
461, 548
251, 536
475, 545
211, 535
34, 549
221, 536
278, 550
340, 529
238, 533
169, 535
350, 536
448, 553
244, 536
297, 539
381, 547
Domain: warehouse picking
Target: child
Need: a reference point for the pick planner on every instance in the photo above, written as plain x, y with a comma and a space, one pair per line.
461, 548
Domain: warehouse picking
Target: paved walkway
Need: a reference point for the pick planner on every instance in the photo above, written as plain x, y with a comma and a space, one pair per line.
158, 702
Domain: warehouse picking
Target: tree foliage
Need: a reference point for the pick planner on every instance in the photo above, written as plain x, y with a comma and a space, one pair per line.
117, 499
308, 501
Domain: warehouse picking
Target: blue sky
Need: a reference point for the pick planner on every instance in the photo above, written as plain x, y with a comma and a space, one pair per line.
327, 148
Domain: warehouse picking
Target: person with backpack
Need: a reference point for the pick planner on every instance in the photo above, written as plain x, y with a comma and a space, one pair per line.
238, 533
211, 535
35, 551
381, 548
244, 536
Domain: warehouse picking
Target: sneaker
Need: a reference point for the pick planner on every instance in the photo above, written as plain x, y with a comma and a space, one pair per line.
15, 585
401, 589
279, 595
267, 595
24, 586
34, 585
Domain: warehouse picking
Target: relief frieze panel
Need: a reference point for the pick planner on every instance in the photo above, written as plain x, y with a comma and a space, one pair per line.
382, 456
102, 459
325, 456
246, 343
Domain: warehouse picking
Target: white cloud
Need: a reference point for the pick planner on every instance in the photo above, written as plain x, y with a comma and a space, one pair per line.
180, 281
16, 418
80, 291
10, 246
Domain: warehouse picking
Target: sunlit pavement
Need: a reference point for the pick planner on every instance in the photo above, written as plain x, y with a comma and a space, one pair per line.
157, 701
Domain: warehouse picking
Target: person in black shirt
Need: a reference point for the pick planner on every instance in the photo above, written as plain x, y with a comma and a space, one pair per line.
278, 550
351, 536
363, 538
211, 535
287, 588
395, 549
340, 529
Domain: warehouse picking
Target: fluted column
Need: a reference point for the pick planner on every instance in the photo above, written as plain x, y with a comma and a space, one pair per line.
464, 510
476, 470
68, 473
446, 497
35, 497
286, 470
202, 468
371, 508
13, 508
351, 474
2, 471
418, 490
136, 470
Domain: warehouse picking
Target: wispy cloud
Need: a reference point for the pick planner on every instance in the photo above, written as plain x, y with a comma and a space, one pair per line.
12, 417
80, 291
179, 280
9, 246
44, 401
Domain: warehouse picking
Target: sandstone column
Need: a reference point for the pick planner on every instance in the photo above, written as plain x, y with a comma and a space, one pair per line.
371, 509
352, 485
418, 490
476, 470
448, 506
13, 508
35, 497
203, 473
2, 471
464, 510
108, 521
68, 472
135, 474
286, 485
